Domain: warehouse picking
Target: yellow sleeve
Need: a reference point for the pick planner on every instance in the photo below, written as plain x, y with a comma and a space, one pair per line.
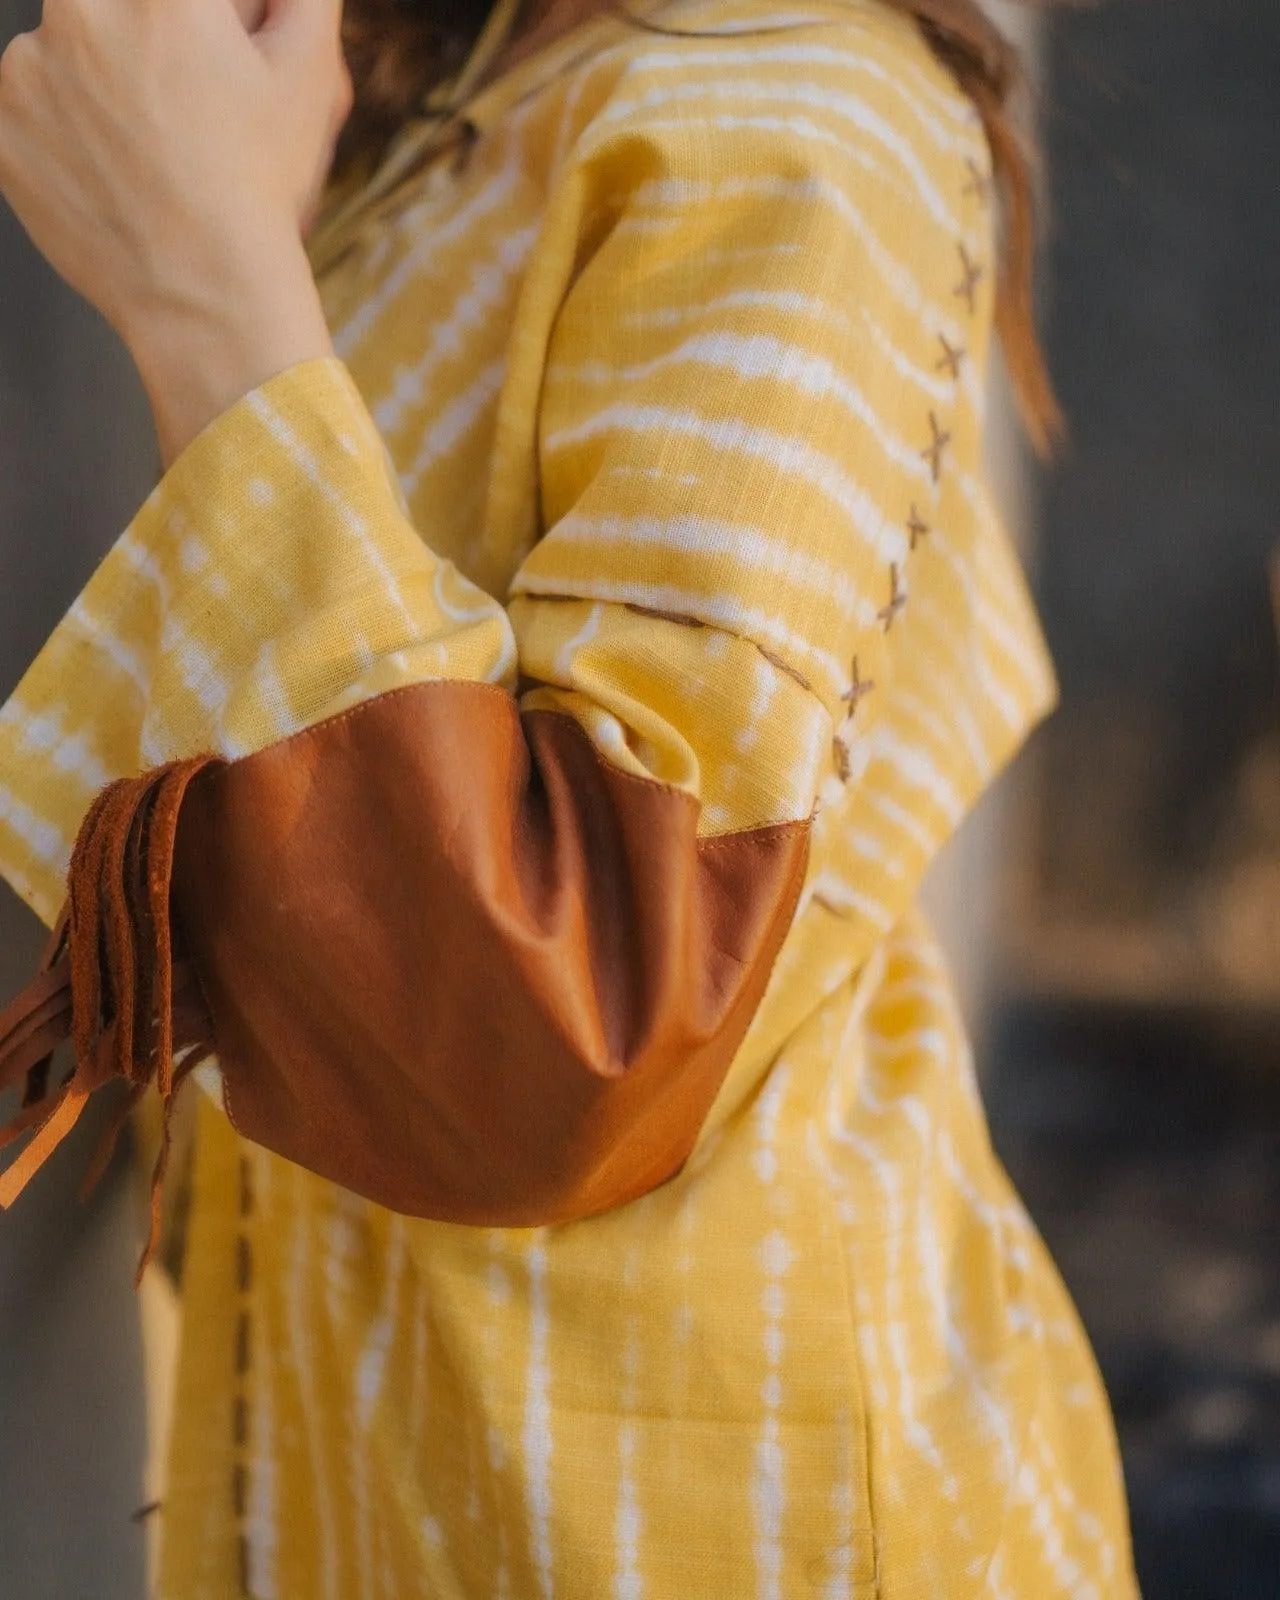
727, 459
270, 579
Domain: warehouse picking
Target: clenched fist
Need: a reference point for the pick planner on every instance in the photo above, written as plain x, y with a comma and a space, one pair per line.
165, 157
143, 142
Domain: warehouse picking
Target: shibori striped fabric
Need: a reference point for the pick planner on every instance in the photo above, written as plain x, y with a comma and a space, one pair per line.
663, 411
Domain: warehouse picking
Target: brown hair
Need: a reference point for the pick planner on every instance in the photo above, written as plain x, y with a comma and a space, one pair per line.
397, 50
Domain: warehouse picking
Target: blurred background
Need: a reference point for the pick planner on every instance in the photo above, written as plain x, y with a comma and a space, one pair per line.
1133, 1049
1112, 907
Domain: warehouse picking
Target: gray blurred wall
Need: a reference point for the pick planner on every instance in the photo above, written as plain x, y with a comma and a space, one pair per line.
77, 456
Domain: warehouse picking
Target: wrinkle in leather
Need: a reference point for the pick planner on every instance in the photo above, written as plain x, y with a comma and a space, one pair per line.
447, 955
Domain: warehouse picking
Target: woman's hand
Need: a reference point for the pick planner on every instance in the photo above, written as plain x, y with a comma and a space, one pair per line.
165, 160
140, 139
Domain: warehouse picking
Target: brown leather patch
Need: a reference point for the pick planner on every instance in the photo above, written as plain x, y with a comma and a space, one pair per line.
459, 964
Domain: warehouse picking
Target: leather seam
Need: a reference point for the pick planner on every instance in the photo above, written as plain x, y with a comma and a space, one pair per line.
704, 841
722, 841
709, 841
226, 1090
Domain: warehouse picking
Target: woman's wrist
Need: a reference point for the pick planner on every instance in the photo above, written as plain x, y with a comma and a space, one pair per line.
200, 350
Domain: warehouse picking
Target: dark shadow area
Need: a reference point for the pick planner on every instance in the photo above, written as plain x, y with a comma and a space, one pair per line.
73, 1419
1147, 1147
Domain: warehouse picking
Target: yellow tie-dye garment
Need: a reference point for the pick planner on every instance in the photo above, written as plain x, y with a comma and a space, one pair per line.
664, 410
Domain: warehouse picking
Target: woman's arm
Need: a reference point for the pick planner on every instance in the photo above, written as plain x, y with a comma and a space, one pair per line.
195, 362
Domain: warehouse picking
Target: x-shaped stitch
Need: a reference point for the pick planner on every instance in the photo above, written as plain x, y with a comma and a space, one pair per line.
827, 904
897, 599
857, 688
972, 278
932, 452
952, 356
917, 527
468, 136
979, 184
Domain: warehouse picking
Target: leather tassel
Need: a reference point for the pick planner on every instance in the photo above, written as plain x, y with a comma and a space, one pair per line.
108, 981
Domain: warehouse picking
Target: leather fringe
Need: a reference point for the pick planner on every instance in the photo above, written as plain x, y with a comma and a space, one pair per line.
109, 980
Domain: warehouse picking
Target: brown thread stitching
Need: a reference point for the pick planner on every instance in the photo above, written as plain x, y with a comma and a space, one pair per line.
686, 619
932, 452
242, 1344
979, 183
973, 274
308, 734
840, 754
897, 599
917, 527
820, 899
724, 841
857, 688
239, 1420
227, 1106
783, 666
952, 356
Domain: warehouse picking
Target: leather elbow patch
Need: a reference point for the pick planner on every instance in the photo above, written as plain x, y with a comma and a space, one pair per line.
456, 962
